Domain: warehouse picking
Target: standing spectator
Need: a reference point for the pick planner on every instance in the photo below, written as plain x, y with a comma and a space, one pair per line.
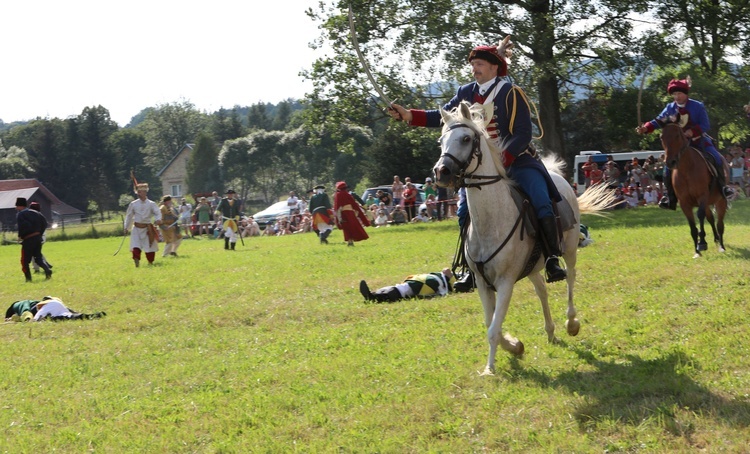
170, 228
203, 213
587, 167
229, 211
349, 215
292, 202
398, 190
36, 207
138, 220
442, 203
611, 175
737, 165
429, 188
638, 176
649, 167
659, 169
302, 204
410, 201
320, 207
215, 200
31, 227
186, 210
597, 176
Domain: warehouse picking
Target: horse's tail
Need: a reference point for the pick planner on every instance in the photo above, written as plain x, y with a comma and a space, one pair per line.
596, 199
554, 163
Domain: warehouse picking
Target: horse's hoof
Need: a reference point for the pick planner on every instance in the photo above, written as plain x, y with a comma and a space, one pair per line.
573, 326
721, 249
487, 372
702, 246
697, 255
519, 349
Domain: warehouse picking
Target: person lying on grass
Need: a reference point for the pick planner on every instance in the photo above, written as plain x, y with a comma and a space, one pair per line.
416, 285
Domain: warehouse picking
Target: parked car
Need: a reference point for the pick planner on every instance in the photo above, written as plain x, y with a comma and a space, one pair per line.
270, 214
387, 188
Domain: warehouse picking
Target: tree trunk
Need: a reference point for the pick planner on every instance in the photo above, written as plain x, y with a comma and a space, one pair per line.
549, 117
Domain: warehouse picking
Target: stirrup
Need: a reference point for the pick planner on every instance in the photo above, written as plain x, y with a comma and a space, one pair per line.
554, 275
728, 192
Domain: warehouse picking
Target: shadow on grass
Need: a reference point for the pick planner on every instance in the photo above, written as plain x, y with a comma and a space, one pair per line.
632, 390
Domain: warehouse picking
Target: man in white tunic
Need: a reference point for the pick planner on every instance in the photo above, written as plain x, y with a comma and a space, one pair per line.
143, 235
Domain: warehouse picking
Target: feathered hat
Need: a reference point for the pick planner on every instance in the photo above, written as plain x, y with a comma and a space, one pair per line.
680, 85
497, 55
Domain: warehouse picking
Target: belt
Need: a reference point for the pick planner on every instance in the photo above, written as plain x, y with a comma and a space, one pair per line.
141, 225
31, 235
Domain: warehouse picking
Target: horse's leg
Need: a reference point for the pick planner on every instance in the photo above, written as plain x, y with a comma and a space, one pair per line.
541, 291
721, 210
688, 211
572, 325
712, 223
495, 334
702, 245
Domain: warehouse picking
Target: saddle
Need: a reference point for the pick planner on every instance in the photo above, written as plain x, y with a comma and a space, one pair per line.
528, 224
563, 214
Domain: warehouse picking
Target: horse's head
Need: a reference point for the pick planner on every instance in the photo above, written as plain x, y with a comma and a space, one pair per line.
459, 145
674, 142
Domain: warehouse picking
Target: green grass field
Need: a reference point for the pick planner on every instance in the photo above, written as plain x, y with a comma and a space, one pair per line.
271, 349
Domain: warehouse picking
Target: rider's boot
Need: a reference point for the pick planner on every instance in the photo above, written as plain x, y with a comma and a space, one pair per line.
726, 191
465, 283
669, 201
548, 228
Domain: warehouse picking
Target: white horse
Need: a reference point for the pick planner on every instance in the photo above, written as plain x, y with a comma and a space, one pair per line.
496, 246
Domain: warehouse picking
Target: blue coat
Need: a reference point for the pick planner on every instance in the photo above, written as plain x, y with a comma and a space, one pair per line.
514, 132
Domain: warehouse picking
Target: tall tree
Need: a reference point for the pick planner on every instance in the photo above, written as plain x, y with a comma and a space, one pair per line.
127, 144
414, 44
257, 117
203, 166
167, 129
101, 182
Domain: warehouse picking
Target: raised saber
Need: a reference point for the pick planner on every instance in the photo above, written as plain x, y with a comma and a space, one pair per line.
640, 94
362, 60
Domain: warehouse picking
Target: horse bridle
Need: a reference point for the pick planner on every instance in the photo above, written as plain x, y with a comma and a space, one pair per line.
685, 146
463, 166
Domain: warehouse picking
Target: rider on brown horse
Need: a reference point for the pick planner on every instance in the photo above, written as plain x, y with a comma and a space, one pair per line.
694, 122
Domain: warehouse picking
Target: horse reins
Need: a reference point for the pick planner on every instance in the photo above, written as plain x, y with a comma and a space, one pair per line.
488, 179
463, 166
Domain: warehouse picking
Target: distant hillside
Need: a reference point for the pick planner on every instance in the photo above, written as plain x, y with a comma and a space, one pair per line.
8, 126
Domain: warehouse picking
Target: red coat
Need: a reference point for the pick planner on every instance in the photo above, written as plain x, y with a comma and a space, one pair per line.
350, 217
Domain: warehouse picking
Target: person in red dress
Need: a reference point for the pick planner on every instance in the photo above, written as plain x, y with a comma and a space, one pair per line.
350, 217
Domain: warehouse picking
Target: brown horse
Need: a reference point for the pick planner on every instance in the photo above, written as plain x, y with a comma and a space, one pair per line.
694, 185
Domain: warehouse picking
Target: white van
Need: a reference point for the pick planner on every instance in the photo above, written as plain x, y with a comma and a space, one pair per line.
600, 158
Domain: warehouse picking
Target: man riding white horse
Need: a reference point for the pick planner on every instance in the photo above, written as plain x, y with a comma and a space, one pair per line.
510, 133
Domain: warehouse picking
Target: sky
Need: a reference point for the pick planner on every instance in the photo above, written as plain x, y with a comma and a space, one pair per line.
58, 57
